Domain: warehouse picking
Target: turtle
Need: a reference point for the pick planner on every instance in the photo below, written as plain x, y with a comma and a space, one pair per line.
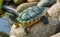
32, 15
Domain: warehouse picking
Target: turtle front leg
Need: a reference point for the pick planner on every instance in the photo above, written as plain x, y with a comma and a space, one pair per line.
44, 20
26, 30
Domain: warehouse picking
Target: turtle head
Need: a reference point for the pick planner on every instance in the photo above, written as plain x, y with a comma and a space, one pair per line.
12, 18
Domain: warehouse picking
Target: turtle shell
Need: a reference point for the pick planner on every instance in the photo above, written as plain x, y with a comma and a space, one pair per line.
32, 13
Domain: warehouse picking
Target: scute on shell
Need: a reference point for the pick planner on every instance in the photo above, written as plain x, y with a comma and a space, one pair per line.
32, 13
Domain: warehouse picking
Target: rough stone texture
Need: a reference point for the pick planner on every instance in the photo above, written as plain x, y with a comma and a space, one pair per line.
38, 30
19, 1
16, 32
25, 5
58, 0
3, 34
42, 30
54, 11
46, 3
56, 35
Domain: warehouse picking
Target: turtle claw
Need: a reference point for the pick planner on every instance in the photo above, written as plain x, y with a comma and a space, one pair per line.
26, 29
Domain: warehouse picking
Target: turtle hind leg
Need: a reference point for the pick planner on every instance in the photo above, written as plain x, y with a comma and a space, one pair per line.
26, 29
44, 20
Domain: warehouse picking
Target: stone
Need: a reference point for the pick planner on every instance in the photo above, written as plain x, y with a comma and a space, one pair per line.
46, 3
16, 32
42, 30
58, 1
23, 6
56, 35
38, 30
3, 34
18, 1
54, 11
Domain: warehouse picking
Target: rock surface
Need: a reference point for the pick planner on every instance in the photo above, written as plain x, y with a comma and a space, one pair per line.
54, 11
19, 1
3, 34
26, 5
46, 3
58, 1
39, 30
56, 35
16, 32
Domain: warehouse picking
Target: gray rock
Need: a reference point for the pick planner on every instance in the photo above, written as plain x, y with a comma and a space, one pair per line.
38, 30
54, 11
42, 30
56, 35
46, 3
19, 1
58, 0
24, 6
